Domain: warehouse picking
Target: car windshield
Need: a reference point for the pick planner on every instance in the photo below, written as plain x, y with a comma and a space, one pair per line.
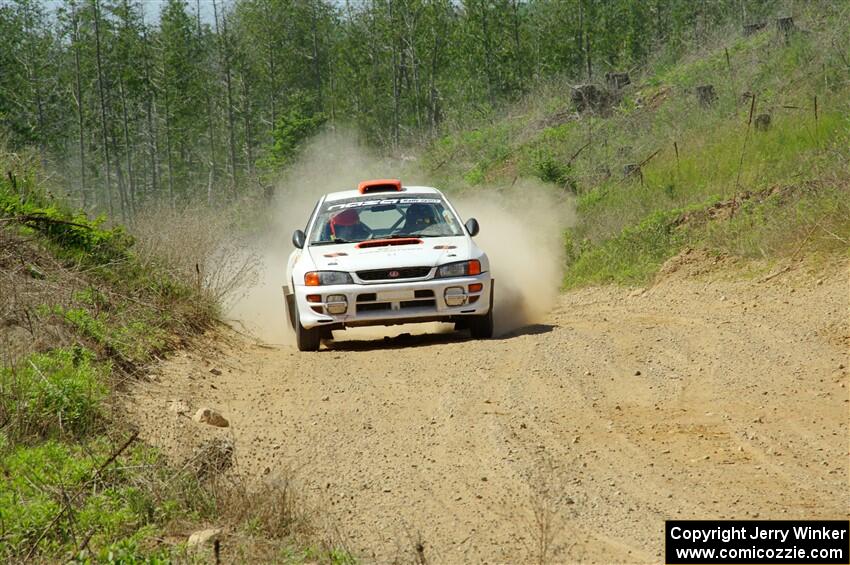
355, 220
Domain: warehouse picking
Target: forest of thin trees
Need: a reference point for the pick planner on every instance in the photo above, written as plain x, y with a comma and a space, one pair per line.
204, 103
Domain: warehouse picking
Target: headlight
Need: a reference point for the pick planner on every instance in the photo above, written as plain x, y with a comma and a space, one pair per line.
325, 278
460, 269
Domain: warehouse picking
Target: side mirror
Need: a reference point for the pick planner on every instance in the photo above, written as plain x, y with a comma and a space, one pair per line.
472, 226
298, 239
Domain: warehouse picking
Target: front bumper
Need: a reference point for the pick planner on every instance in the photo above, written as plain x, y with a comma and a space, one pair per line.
393, 303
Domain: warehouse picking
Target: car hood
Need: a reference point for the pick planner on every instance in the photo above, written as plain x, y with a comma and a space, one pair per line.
431, 252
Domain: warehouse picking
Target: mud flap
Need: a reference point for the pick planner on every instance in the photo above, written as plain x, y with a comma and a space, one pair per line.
290, 307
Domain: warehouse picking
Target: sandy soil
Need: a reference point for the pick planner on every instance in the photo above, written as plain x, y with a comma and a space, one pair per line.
712, 394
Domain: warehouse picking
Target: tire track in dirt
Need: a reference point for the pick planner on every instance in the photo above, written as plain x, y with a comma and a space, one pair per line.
703, 396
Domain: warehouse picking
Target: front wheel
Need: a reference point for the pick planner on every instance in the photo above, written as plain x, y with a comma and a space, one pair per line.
307, 340
481, 327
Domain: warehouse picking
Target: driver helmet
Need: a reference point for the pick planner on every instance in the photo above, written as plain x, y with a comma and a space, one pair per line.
420, 216
343, 222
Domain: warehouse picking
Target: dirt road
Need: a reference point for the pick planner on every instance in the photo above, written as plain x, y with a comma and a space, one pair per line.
707, 395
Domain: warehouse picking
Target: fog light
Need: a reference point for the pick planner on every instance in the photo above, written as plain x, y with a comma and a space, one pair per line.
455, 296
336, 304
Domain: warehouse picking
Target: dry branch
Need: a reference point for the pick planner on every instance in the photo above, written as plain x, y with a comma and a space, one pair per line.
38, 218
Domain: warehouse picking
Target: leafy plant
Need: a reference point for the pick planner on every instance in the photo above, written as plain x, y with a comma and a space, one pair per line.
54, 394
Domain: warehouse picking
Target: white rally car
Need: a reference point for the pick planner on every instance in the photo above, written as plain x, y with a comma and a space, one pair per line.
386, 254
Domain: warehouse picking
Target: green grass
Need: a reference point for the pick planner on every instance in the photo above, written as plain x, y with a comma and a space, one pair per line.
44, 477
814, 218
54, 394
631, 257
56, 491
132, 340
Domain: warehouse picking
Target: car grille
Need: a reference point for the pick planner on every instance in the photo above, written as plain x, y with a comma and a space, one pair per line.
422, 298
402, 273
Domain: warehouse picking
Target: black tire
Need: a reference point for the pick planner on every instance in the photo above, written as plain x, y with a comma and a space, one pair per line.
307, 340
481, 327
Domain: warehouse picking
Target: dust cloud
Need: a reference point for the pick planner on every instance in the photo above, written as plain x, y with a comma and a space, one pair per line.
522, 233
521, 229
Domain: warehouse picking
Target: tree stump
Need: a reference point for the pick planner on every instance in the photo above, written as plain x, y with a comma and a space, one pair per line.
785, 24
754, 27
763, 122
706, 95
586, 96
616, 81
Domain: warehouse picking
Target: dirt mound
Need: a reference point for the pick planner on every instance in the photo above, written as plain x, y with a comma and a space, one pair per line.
691, 262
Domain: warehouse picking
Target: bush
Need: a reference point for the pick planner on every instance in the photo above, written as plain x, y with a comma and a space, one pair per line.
52, 395
549, 169
54, 497
73, 232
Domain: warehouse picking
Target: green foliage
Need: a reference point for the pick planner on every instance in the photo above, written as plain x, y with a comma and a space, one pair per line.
133, 341
54, 394
631, 257
549, 169
185, 107
291, 130
79, 237
53, 494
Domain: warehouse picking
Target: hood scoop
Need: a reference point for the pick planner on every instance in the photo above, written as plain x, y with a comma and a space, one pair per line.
388, 242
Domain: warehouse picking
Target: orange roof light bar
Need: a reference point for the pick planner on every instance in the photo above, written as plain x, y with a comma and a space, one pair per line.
379, 185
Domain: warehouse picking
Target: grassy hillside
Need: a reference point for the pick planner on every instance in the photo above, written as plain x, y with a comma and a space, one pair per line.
82, 313
709, 176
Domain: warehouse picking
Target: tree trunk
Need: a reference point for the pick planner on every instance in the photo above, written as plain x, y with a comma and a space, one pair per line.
587, 54
210, 126
706, 95
224, 55
518, 66
317, 72
433, 101
153, 141
246, 119
102, 95
129, 150
79, 93
488, 54
35, 78
396, 84
168, 147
